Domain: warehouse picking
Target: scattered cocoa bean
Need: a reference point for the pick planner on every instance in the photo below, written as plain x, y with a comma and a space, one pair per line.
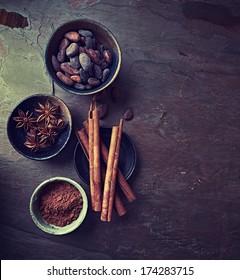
72, 36
102, 110
66, 80
128, 115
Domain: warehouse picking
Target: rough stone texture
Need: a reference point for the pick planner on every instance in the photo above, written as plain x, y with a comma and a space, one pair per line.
180, 74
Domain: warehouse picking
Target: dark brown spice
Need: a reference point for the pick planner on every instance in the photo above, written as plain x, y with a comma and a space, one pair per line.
60, 203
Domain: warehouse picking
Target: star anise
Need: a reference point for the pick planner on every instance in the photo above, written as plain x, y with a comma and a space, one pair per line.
34, 142
47, 112
24, 120
56, 124
48, 134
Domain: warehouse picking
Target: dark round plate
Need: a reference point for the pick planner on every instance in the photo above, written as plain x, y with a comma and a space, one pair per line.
127, 157
17, 136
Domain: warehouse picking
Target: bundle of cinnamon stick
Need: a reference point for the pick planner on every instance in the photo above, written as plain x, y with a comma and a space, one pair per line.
103, 199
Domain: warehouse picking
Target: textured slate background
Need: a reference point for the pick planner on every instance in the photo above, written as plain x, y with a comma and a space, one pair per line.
180, 73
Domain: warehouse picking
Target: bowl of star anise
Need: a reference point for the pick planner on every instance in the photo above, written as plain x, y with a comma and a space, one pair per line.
40, 126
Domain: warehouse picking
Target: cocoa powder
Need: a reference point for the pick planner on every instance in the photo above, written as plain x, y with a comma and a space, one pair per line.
60, 203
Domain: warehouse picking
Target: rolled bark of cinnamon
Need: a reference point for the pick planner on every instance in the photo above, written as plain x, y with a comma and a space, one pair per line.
94, 157
84, 142
111, 173
125, 187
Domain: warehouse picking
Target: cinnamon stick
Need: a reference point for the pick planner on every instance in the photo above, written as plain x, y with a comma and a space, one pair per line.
94, 157
84, 142
111, 173
125, 187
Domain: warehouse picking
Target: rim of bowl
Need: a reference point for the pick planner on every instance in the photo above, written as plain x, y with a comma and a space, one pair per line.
91, 91
70, 125
52, 229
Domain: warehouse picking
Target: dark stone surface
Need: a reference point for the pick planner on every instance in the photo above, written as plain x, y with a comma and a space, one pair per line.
180, 74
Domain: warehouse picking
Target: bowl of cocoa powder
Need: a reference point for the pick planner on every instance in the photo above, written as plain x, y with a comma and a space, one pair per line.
83, 57
58, 205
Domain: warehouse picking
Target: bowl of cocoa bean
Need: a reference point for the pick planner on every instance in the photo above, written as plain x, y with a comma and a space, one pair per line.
40, 126
83, 57
58, 205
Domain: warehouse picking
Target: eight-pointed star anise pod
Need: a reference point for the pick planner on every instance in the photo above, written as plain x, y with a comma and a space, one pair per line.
48, 134
34, 142
24, 120
47, 112
56, 124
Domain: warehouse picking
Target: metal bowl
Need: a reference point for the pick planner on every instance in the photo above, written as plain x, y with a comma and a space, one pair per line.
17, 136
38, 219
102, 35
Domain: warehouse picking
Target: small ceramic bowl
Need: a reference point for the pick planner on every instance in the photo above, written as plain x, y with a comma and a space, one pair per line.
38, 219
17, 136
102, 35
127, 157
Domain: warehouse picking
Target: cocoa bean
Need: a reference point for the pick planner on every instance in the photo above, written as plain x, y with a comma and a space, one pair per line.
100, 48
72, 36
105, 74
85, 33
82, 40
107, 56
102, 110
85, 61
81, 49
65, 67
103, 64
88, 42
55, 63
88, 86
74, 62
94, 82
128, 115
61, 55
79, 86
72, 50
97, 71
66, 80
84, 75
76, 78
91, 53
64, 44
